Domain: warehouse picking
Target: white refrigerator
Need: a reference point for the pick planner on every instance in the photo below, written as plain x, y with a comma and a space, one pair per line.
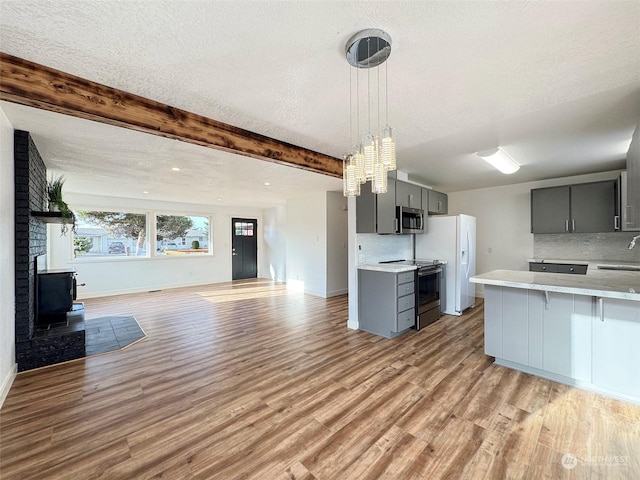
452, 238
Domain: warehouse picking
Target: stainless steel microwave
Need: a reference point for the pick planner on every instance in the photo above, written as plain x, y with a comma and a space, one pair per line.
409, 220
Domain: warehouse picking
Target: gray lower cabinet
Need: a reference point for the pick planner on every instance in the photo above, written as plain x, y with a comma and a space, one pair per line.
438, 203
582, 208
616, 337
376, 213
577, 339
386, 302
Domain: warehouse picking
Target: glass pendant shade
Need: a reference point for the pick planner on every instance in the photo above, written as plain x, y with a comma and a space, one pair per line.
358, 159
388, 149
351, 185
370, 155
379, 183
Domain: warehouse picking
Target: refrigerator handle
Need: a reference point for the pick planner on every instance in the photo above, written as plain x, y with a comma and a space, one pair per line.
468, 253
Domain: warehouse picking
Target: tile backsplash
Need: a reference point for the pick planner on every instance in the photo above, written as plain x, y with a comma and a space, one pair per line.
611, 246
374, 248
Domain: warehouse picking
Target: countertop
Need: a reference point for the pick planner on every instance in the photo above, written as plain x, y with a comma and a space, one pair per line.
599, 283
393, 268
387, 267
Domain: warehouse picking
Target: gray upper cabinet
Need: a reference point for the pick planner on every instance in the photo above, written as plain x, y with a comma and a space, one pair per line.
630, 193
408, 195
438, 203
583, 208
376, 213
550, 210
593, 207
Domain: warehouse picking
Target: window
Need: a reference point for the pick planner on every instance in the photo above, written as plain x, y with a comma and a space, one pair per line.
182, 235
110, 234
243, 229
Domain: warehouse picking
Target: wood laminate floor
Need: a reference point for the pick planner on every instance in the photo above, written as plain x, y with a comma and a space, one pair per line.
248, 380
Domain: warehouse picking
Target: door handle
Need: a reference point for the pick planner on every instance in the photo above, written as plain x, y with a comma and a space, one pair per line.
234, 254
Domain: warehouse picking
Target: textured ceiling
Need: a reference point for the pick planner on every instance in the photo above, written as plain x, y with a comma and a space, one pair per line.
557, 84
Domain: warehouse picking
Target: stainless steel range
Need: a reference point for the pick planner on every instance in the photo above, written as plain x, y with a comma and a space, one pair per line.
428, 288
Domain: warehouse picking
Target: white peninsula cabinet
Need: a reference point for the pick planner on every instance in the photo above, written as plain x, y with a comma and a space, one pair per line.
578, 338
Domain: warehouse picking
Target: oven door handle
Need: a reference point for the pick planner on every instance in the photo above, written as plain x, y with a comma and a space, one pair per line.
429, 272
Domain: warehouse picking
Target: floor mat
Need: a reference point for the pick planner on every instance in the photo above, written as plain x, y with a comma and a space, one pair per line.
106, 334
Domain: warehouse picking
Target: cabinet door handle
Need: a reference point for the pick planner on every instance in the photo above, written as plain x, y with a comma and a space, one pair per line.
616, 222
573, 225
395, 225
566, 225
601, 305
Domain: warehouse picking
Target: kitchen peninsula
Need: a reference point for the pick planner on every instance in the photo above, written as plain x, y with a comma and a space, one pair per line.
581, 330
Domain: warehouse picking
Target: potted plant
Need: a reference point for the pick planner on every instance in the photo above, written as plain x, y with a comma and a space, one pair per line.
57, 204
54, 194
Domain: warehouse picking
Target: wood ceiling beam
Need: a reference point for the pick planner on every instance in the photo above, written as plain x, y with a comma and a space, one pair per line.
34, 85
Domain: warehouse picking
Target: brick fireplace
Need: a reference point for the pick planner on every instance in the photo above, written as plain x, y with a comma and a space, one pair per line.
35, 347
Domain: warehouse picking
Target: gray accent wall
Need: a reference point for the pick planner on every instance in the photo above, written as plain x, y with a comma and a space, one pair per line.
611, 246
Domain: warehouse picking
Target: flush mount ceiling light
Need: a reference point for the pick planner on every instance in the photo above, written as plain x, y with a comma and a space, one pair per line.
374, 153
499, 159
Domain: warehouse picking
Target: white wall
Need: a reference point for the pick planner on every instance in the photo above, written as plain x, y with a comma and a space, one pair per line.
337, 238
307, 244
274, 222
317, 238
8, 365
504, 238
116, 276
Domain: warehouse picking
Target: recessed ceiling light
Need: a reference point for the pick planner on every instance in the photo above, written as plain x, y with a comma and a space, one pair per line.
175, 169
267, 183
219, 199
144, 191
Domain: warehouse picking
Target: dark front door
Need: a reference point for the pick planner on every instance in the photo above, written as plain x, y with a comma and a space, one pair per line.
244, 248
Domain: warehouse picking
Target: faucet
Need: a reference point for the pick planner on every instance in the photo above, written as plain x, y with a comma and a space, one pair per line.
633, 242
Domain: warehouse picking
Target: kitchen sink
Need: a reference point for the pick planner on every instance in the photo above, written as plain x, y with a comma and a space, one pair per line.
628, 268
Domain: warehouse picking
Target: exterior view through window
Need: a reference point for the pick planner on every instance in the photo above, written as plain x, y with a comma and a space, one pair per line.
121, 234
182, 235
110, 234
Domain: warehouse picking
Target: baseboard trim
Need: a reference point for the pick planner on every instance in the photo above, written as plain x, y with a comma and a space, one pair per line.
336, 293
8, 381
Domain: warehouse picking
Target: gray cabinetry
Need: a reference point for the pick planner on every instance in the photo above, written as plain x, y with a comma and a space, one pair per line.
558, 268
616, 336
630, 194
438, 203
593, 207
550, 210
583, 208
386, 302
376, 213
408, 195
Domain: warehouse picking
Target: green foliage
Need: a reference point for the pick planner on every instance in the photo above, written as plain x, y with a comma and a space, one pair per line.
54, 191
195, 245
82, 245
172, 226
54, 195
130, 225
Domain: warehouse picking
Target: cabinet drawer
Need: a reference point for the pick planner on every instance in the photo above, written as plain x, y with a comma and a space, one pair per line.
542, 267
406, 277
406, 319
578, 269
406, 302
406, 288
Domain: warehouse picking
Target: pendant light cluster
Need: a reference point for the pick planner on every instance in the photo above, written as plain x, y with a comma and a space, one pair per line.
374, 153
